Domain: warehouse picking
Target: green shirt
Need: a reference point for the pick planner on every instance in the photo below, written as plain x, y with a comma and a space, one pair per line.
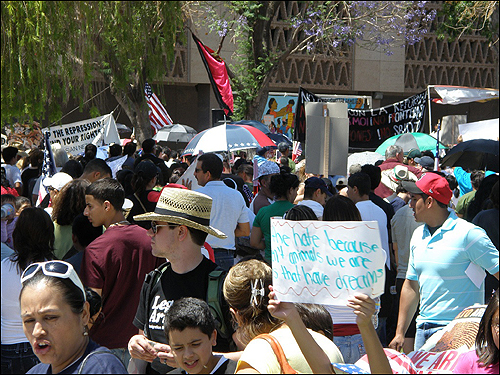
263, 221
464, 202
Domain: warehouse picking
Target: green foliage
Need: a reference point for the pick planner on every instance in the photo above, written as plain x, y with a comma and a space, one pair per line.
467, 17
54, 50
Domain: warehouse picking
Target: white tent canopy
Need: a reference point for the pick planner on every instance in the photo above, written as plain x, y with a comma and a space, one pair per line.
487, 129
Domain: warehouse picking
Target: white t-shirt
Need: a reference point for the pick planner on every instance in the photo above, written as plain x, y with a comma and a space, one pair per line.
228, 209
12, 326
313, 205
13, 174
259, 354
371, 212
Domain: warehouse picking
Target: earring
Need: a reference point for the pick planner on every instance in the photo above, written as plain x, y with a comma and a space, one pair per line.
85, 331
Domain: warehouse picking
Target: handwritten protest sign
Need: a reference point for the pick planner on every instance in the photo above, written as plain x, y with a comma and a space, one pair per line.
326, 262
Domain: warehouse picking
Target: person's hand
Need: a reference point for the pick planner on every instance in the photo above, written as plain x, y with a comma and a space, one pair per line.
139, 347
397, 342
281, 310
165, 355
364, 308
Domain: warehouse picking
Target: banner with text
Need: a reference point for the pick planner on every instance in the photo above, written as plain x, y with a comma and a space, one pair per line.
369, 128
326, 262
75, 136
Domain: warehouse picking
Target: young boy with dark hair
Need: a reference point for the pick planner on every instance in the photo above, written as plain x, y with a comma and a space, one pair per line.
190, 332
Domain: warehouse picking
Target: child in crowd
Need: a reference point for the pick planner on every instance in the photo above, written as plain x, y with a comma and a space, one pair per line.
484, 359
190, 332
21, 203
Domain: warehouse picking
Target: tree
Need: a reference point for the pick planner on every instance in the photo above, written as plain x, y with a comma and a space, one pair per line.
320, 27
468, 17
54, 50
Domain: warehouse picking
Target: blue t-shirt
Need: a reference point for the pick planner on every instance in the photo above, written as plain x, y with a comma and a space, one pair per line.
100, 361
438, 262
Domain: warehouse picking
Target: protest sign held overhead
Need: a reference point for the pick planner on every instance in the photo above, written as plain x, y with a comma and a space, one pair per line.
75, 136
326, 262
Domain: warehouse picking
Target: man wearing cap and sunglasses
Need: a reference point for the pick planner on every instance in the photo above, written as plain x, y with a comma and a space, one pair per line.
445, 255
180, 224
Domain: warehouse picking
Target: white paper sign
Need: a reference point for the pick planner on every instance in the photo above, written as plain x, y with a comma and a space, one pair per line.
326, 262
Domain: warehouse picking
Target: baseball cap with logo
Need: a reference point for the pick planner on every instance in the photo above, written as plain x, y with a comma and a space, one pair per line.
414, 153
431, 184
317, 183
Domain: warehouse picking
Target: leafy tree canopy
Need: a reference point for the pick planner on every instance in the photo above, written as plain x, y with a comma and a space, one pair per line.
54, 50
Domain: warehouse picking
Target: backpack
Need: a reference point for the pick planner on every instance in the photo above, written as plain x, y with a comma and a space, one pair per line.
213, 299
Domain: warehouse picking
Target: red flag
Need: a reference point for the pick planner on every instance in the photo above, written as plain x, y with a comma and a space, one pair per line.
217, 73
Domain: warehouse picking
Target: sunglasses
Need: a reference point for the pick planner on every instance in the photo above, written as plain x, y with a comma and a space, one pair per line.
54, 268
154, 226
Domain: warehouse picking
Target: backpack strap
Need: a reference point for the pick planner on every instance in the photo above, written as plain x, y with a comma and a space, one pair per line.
101, 350
214, 295
278, 351
151, 279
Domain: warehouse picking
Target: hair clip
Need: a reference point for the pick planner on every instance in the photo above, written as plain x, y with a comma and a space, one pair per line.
257, 292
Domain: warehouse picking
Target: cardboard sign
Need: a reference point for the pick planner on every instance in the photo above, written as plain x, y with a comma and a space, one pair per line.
75, 136
326, 262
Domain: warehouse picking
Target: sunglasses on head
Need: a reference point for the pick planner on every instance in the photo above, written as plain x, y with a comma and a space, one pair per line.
154, 226
54, 268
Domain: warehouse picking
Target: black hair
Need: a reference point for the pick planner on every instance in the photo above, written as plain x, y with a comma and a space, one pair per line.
211, 163
124, 177
244, 168
84, 231
452, 182
478, 203
73, 167
494, 195
198, 236
361, 181
115, 150
329, 186
316, 317
486, 349
174, 154
300, 212
428, 153
189, 312
129, 149
20, 201
107, 189
71, 294
375, 174
94, 300
440, 204
36, 158
340, 208
8, 153
282, 183
147, 145
476, 177
69, 202
3, 179
90, 151
157, 150
33, 237
97, 165
8, 198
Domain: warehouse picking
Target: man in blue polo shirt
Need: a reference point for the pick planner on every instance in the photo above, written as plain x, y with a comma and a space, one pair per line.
440, 253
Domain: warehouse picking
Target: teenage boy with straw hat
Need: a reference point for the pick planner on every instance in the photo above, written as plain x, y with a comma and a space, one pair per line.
180, 224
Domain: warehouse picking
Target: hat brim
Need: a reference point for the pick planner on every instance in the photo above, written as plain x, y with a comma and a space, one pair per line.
411, 187
152, 216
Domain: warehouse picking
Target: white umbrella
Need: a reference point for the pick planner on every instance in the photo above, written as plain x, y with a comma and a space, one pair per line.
362, 158
175, 133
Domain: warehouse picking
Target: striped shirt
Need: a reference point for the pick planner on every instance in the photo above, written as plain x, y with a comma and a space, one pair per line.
438, 262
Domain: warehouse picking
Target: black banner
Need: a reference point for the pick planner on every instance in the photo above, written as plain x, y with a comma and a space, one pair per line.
299, 132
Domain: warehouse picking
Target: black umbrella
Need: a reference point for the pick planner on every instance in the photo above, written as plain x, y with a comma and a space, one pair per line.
481, 154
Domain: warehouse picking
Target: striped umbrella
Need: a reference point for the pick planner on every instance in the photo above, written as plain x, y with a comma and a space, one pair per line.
227, 138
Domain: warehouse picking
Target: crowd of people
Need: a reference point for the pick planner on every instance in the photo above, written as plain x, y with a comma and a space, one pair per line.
115, 270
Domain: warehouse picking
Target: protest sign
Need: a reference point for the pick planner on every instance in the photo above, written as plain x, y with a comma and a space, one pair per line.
369, 128
326, 262
75, 136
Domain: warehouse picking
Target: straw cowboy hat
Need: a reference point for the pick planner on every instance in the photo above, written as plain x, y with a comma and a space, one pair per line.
183, 207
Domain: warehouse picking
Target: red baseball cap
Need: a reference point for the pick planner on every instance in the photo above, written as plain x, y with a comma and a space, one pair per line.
431, 184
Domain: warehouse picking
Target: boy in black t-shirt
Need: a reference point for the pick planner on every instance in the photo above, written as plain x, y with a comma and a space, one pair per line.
179, 226
190, 332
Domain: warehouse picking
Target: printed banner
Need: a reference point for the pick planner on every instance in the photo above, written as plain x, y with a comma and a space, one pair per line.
75, 136
24, 136
369, 128
326, 262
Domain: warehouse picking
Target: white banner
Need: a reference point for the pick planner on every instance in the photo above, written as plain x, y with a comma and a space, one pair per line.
75, 136
487, 129
326, 262
459, 95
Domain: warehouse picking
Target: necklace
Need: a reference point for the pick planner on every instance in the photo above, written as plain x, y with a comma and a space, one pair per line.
123, 222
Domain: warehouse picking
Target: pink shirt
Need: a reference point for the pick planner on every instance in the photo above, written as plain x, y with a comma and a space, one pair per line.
467, 364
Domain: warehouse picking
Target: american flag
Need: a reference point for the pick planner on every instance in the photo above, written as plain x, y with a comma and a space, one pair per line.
48, 167
158, 115
297, 151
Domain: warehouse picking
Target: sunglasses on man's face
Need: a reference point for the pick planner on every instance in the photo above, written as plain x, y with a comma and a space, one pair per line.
154, 226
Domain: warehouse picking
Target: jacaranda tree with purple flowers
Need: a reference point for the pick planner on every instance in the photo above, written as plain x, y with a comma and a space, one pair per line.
320, 27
